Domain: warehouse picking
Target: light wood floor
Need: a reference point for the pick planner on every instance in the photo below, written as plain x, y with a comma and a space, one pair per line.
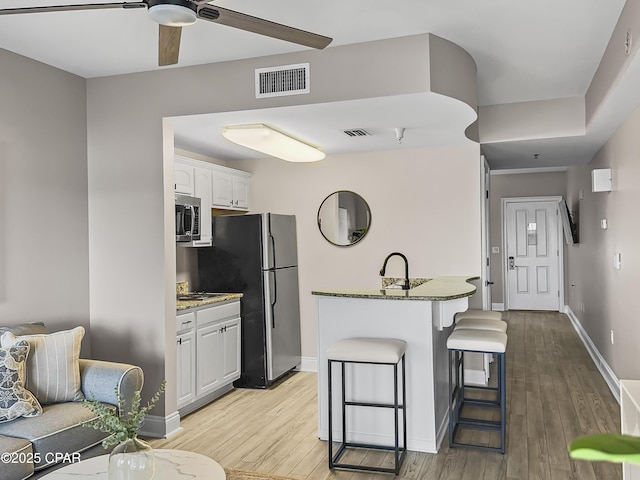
554, 393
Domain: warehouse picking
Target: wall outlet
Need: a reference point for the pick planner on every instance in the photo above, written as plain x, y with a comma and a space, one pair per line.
611, 337
617, 261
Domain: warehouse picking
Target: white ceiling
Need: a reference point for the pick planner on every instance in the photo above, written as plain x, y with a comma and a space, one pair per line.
524, 51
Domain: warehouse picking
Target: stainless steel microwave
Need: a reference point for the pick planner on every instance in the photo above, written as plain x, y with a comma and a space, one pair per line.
188, 218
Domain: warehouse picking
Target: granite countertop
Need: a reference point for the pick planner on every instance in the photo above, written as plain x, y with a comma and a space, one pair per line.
438, 289
219, 298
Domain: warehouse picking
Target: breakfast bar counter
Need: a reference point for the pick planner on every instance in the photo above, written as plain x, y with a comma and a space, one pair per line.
421, 316
434, 289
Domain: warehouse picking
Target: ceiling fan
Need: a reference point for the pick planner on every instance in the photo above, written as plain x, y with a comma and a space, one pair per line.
172, 15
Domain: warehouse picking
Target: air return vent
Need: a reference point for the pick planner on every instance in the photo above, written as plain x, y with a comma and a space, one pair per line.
356, 132
284, 80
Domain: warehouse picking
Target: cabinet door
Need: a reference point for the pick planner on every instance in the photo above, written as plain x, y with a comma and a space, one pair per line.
183, 178
222, 194
241, 192
202, 190
208, 351
186, 371
231, 350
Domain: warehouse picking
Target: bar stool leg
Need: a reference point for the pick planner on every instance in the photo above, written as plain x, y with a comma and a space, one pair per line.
330, 416
404, 405
451, 392
503, 400
396, 419
344, 408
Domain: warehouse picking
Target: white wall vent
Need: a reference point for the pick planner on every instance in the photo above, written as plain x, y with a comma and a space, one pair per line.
283, 80
356, 132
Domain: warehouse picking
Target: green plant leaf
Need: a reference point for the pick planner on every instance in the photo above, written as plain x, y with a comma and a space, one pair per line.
120, 424
606, 447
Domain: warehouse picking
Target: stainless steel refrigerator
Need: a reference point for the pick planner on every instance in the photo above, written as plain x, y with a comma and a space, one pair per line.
256, 255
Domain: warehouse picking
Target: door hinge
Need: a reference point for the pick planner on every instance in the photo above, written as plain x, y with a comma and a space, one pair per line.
486, 194
487, 261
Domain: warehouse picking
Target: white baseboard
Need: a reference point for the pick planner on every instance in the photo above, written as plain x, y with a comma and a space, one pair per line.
603, 367
443, 429
160, 427
475, 377
413, 444
307, 364
498, 307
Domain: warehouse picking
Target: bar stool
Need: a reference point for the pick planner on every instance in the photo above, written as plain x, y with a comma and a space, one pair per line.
378, 351
482, 324
478, 314
479, 341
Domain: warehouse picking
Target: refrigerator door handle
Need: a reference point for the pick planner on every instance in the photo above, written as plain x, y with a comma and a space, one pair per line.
274, 298
272, 242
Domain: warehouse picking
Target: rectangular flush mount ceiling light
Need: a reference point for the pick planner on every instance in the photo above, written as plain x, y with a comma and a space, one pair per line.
265, 139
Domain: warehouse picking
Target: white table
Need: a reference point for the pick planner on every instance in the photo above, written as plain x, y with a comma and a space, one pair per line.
170, 465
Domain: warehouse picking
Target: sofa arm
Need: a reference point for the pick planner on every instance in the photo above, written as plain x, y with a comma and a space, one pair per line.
104, 381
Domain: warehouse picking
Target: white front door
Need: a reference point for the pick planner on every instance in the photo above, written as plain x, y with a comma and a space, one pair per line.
532, 254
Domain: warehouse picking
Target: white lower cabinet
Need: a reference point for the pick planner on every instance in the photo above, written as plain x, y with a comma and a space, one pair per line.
186, 355
208, 354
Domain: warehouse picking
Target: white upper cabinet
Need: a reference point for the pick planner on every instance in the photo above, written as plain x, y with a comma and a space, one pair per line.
183, 178
203, 190
228, 188
241, 192
222, 189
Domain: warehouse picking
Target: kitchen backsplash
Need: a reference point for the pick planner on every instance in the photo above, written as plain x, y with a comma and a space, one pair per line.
413, 282
182, 288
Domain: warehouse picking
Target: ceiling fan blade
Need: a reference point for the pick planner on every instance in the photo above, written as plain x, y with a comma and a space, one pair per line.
168, 45
261, 26
67, 8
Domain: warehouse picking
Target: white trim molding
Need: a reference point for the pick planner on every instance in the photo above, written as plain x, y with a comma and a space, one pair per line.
603, 367
498, 307
515, 171
307, 364
161, 427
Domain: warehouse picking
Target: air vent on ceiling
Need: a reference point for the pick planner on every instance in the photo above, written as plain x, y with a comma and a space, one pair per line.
356, 132
283, 80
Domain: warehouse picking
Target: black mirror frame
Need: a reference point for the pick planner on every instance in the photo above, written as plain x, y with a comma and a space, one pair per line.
364, 234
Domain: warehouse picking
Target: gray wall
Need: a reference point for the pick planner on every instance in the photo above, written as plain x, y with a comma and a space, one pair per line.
515, 185
130, 147
602, 298
44, 260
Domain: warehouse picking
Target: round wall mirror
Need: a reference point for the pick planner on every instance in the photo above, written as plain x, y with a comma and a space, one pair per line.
344, 218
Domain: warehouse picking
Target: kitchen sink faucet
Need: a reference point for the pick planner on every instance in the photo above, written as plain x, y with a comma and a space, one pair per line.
406, 285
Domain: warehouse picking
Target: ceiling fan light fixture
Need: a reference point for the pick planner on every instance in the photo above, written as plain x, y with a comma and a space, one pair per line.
173, 13
264, 139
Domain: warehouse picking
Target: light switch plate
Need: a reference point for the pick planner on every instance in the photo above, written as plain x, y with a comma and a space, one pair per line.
617, 261
495, 249
604, 224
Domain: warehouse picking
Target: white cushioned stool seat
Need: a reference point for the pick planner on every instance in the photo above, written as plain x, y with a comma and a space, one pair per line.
477, 341
482, 324
478, 314
367, 350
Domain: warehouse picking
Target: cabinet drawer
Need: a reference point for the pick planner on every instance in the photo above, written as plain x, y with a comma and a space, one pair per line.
219, 312
185, 321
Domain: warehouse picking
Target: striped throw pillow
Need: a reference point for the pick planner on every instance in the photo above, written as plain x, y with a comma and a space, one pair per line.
52, 369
